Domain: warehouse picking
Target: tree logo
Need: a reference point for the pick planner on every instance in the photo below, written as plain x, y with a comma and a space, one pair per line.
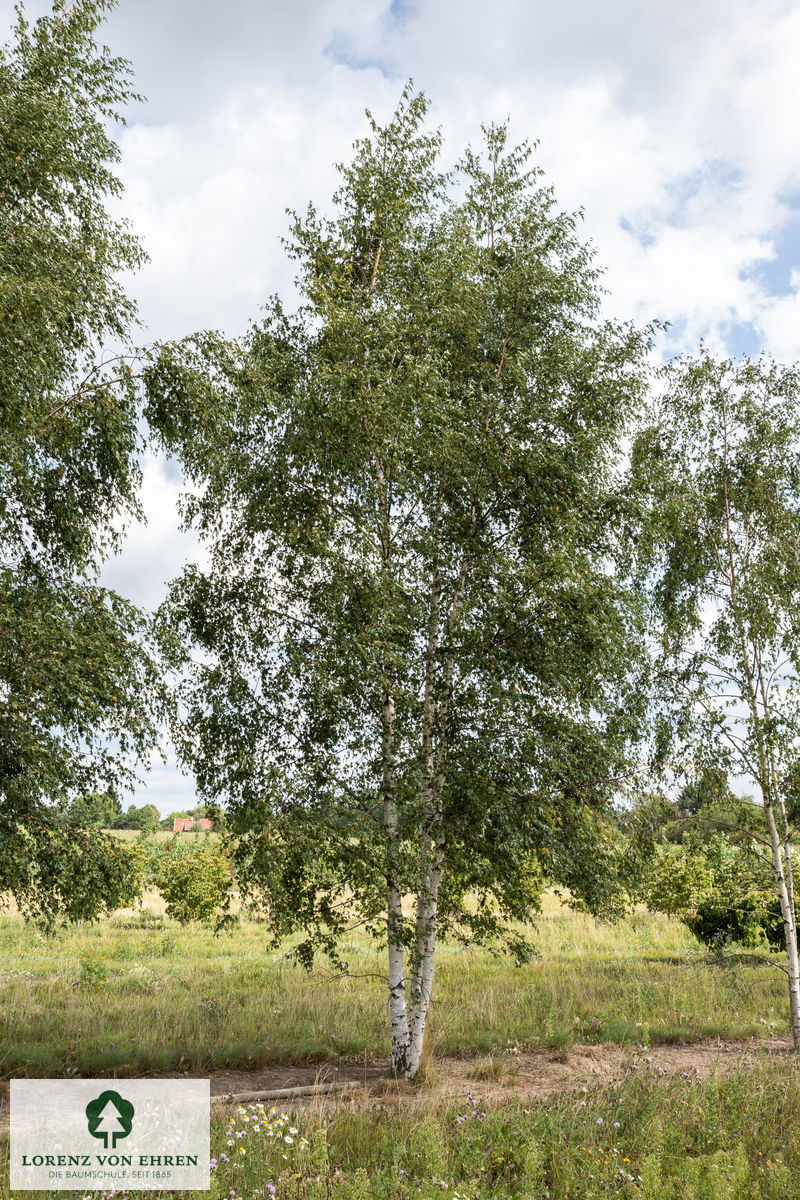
109, 1116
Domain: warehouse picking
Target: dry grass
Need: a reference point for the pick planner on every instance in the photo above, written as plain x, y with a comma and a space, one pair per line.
138, 993
492, 1067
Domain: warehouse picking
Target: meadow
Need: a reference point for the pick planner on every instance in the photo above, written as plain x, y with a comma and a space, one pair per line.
680, 1138
138, 992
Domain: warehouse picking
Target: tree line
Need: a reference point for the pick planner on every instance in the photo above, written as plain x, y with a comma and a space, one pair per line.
486, 588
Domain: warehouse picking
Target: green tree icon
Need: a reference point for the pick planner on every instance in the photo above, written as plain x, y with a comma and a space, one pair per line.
109, 1116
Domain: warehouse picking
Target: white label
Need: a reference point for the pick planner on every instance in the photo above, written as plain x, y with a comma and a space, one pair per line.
110, 1134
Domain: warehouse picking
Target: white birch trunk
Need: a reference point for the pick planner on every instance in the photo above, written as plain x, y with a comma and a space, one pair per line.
785, 889
398, 1012
394, 901
424, 952
431, 850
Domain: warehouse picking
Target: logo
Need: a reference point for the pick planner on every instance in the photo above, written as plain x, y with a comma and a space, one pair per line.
110, 1117
116, 1136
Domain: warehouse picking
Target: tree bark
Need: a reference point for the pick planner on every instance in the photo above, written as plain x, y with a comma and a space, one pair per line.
425, 946
394, 901
786, 894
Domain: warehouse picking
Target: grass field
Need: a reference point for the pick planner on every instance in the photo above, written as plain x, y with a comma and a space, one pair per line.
656, 1139
139, 993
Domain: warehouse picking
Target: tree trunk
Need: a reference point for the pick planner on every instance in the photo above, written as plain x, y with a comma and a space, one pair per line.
424, 951
394, 901
401, 1036
786, 893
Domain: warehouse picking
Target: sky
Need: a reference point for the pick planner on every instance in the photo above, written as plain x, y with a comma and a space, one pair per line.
675, 128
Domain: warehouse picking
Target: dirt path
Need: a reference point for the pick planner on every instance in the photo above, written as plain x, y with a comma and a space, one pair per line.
532, 1076
526, 1077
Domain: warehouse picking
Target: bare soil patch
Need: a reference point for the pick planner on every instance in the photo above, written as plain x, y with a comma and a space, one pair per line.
490, 1080
524, 1077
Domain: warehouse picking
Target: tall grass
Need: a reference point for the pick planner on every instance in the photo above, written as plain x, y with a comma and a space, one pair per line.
645, 1138
138, 993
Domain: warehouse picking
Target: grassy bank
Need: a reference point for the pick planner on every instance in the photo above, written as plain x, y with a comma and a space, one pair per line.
139, 993
657, 1139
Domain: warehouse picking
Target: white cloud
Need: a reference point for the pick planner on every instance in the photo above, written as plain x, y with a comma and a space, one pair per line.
156, 548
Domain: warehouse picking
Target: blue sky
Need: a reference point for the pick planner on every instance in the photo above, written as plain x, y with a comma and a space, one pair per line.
675, 127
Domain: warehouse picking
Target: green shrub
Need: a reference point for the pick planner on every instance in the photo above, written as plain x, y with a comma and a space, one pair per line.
718, 922
742, 906
194, 881
94, 971
679, 881
721, 892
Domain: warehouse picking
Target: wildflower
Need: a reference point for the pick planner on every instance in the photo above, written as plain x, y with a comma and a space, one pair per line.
271, 1189
289, 1141
616, 1125
599, 1120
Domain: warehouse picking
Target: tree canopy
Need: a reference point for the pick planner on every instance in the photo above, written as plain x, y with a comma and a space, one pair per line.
78, 687
717, 469
417, 681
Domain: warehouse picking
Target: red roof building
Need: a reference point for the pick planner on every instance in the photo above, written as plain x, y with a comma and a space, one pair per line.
190, 824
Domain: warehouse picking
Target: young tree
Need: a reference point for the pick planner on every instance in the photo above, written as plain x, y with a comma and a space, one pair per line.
96, 810
417, 690
77, 686
718, 471
147, 818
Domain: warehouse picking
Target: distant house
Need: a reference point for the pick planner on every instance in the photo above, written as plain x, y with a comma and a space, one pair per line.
190, 824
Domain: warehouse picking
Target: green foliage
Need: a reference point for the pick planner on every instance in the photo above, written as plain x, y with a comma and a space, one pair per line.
95, 810
147, 818
420, 667
94, 970
61, 871
79, 693
722, 892
677, 882
195, 880
747, 921
707, 791
741, 906
716, 474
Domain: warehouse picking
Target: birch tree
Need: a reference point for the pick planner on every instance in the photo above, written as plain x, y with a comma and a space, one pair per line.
79, 691
415, 684
719, 473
